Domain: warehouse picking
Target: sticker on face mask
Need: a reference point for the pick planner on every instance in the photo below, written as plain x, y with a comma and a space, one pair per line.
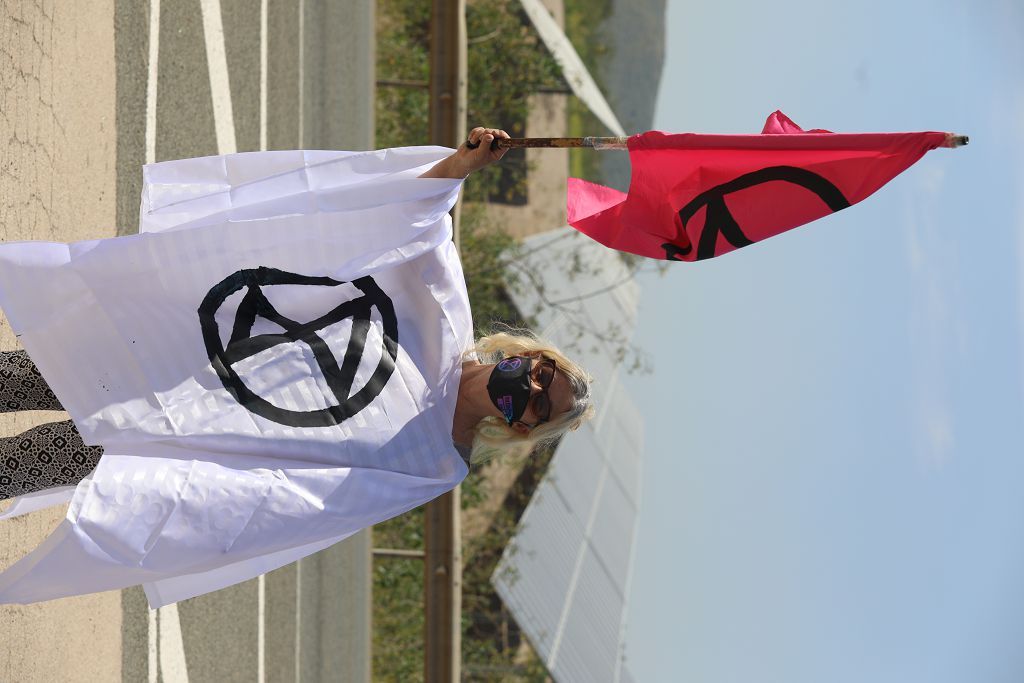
505, 406
510, 364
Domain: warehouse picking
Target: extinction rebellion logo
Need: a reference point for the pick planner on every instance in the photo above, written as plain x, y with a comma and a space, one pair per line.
243, 345
510, 364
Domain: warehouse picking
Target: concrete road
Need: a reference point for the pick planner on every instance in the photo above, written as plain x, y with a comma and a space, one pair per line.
89, 91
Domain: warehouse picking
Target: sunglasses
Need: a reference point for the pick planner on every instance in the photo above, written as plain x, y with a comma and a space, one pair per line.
543, 373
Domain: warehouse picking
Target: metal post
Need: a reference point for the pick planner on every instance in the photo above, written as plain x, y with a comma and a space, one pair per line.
399, 553
442, 536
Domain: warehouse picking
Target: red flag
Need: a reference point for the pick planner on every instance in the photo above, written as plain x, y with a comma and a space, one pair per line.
693, 196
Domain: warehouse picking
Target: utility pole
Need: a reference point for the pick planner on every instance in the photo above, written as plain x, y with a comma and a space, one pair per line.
442, 533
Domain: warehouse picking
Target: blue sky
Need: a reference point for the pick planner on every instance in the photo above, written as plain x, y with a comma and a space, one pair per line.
834, 472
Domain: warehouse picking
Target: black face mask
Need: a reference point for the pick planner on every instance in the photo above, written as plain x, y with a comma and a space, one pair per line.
509, 386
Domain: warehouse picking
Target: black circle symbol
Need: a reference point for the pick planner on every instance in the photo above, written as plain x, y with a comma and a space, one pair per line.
242, 345
718, 219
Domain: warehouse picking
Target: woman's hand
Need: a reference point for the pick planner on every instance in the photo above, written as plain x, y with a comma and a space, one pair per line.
466, 159
476, 158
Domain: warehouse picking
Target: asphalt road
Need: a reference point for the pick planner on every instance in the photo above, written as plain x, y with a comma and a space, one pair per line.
88, 93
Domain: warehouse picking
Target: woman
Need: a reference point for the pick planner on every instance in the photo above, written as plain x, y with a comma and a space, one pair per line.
282, 358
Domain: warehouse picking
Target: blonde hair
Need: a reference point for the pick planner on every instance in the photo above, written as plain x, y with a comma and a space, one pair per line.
493, 435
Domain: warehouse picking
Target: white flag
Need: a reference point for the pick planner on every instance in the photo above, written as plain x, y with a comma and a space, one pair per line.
270, 366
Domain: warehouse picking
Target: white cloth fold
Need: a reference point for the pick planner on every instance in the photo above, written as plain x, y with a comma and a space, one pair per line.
270, 366
37, 500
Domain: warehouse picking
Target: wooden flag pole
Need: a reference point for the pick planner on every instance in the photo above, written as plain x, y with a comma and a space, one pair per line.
620, 143
594, 142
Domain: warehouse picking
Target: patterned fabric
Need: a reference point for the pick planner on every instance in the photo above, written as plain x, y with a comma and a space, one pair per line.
21, 385
45, 456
